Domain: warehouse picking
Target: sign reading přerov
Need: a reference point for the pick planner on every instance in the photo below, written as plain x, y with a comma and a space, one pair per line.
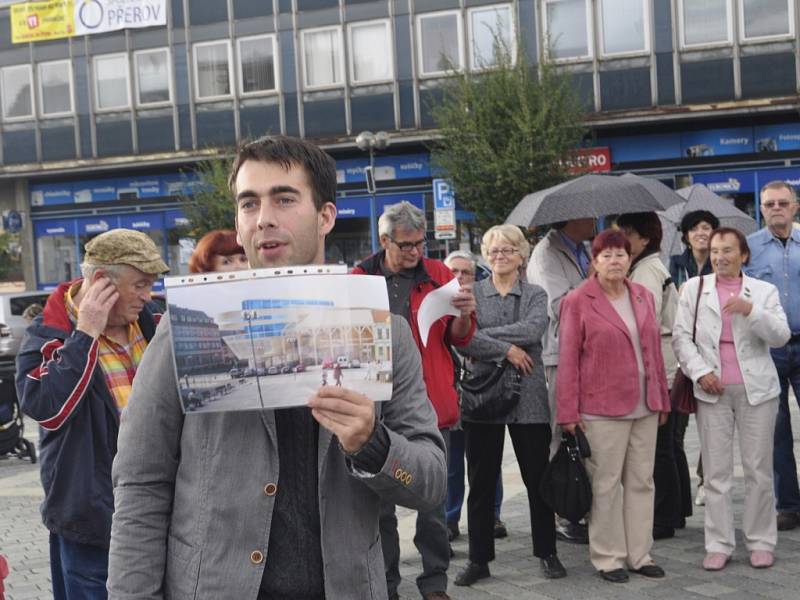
54, 19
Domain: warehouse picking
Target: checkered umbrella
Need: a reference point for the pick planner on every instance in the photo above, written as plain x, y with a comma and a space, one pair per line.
699, 197
589, 196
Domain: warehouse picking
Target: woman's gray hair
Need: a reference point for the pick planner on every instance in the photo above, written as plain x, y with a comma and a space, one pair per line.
88, 270
402, 215
461, 254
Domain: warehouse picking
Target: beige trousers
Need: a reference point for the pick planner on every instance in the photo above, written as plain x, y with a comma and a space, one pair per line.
621, 470
756, 427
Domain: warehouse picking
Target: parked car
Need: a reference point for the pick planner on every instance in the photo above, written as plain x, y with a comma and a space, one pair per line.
301, 368
273, 371
343, 361
355, 364
261, 371
286, 369
12, 325
249, 372
236, 373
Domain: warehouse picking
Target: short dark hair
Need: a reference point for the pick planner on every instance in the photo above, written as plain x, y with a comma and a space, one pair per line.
610, 238
779, 184
647, 225
691, 219
744, 248
291, 152
220, 242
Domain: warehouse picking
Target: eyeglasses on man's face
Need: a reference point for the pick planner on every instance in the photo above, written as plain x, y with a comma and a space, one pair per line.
505, 251
409, 246
782, 204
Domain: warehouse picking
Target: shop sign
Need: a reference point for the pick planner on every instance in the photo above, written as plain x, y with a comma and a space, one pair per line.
727, 182
717, 142
355, 207
444, 210
777, 138
387, 168
589, 160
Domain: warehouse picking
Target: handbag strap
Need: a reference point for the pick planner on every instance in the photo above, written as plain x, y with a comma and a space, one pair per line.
696, 306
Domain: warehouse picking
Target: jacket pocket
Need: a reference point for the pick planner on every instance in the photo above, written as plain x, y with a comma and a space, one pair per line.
182, 572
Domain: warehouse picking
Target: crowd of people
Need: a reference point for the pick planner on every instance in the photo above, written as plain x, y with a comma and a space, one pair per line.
585, 335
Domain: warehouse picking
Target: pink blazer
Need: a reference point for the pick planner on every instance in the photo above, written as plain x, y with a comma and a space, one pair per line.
597, 372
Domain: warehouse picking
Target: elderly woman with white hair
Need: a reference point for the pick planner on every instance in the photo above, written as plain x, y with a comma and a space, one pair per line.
512, 317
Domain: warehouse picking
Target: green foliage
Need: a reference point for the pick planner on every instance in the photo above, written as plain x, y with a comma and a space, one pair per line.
505, 132
210, 206
8, 265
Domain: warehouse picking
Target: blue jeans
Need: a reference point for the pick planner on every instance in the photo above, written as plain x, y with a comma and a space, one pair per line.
787, 494
455, 480
79, 571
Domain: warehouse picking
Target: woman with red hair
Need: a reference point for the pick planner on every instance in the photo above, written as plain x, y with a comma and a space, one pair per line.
218, 251
611, 384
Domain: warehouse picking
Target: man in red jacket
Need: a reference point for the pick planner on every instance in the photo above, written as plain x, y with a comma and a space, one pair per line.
410, 277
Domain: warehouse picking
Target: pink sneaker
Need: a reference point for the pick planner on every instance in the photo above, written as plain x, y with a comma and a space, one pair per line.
715, 561
761, 559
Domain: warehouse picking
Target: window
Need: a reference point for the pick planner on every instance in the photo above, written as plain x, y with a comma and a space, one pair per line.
257, 64
152, 77
491, 34
567, 29
212, 70
55, 88
111, 81
766, 18
371, 55
705, 22
322, 57
439, 42
628, 35
17, 92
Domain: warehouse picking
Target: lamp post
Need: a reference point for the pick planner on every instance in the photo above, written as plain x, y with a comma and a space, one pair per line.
368, 141
249, 316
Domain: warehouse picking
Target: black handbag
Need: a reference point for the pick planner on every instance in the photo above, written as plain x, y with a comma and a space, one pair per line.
492, 395
565, 485
681, 394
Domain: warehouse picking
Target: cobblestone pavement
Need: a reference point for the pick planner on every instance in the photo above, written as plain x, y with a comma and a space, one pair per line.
516, 576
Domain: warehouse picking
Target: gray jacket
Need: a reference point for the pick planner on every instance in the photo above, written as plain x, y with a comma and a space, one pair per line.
553, 267
194, 501
497, 332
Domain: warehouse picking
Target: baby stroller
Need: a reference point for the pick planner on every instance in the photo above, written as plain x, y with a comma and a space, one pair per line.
11, 425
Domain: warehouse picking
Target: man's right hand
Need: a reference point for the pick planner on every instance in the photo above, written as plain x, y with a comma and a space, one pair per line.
96, 305
520, 359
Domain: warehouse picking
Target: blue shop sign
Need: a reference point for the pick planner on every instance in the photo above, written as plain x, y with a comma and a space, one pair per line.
777, 138
174, 219
97, 225
54, 227
717, 142
728, 182
635, 148
143, 222
790, 176
111, 189
387, 168
354, 207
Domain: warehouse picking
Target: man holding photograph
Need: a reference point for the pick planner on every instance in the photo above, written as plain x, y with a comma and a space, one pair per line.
278, 504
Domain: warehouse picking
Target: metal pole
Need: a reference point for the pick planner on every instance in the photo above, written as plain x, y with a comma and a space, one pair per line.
249, 316
373, 221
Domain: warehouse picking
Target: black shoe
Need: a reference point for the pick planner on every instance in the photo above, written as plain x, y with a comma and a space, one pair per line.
649, 571
552, 567
472, 573
662, 533
571, 533
615, 575
500, 530
788, 520
452, 531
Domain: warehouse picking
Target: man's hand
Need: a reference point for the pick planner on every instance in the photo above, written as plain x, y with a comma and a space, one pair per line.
711, 384
663, 417
464, 301
96, 305
348, 414
520, 359
738, 305
570, 427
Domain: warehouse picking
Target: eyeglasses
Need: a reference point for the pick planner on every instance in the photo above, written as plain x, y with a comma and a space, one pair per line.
774, 204
495, 252
409, 246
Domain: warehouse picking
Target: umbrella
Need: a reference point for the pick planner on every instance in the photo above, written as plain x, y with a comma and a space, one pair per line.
699, 197
588, 196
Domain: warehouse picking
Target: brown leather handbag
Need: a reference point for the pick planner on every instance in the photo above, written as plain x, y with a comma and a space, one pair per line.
682, 395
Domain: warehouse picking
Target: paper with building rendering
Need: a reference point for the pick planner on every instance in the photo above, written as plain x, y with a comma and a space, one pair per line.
269, 338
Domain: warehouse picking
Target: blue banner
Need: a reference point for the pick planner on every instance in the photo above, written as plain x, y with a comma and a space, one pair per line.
143, 221
97, 225
790, 176
717, 142
777, 138
387, 168
109, 190
635, 148
54, 227
354, 207
728, 182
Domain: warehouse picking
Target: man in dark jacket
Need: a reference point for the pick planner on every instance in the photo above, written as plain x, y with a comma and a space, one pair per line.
410, 277
74, 373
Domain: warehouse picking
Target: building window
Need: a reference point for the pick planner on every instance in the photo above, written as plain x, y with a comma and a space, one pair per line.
628, 35
55, 88
17, 92
568, 33
153, 77
704, 22
111, 81
257, 64
766, 18
491, 34
371, 57
440, 42
322, 57
212, 70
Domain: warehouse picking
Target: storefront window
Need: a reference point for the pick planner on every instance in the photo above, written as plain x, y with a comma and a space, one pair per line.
55, 258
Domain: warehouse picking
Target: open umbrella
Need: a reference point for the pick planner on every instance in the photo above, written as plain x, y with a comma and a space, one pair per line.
588, 196
699, 197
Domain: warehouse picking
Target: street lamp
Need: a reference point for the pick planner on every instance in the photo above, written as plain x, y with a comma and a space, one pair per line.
368, 141
249, 316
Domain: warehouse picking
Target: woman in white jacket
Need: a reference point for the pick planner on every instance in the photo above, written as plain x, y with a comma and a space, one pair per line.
736, 384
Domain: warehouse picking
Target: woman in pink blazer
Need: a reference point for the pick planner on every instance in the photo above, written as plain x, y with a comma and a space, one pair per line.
611, 383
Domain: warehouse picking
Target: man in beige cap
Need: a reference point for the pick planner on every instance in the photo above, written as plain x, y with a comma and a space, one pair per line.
74, 374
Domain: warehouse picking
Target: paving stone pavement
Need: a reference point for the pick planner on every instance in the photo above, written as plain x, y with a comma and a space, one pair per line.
515, 573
